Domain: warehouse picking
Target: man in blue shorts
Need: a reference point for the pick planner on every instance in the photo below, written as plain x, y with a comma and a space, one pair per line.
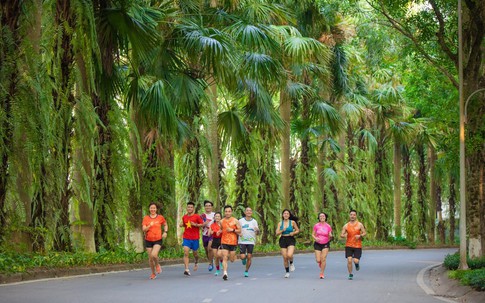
192, 223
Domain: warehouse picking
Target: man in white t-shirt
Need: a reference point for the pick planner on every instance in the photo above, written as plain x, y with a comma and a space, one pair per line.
247, 238
208, 218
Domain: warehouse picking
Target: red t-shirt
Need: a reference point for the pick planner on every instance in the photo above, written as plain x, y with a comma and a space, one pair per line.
154, 233
215, 228
191, 232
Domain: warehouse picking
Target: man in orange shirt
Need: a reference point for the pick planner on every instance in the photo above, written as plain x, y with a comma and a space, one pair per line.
354, 231
230, 232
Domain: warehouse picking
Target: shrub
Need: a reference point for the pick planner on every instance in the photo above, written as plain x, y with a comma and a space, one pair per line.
452, 262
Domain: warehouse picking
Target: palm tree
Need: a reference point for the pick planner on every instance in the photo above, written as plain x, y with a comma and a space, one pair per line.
11, 12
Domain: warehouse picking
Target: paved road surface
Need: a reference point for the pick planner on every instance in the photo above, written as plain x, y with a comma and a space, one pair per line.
385, 276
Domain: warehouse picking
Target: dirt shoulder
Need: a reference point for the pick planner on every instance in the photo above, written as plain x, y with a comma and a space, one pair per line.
449, 289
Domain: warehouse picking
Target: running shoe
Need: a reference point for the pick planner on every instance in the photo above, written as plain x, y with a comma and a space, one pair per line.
224, 277
244, 261
292, 267
187, 273
153, 276
246, 274
357, 266
211, 267
287, 275
322, 276
351, 276
159, 269
217, 272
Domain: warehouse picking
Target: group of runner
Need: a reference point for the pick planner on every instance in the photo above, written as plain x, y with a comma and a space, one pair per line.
223, 234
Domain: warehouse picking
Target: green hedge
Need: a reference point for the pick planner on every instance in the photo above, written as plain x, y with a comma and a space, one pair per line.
452, 262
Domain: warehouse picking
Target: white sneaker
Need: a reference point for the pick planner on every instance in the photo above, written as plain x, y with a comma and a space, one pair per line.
292, 267
287, 275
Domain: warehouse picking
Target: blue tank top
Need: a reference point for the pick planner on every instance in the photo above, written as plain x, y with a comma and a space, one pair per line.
288, 230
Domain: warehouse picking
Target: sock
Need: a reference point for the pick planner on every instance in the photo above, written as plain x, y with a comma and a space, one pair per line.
287, 269
291, 262
217, 267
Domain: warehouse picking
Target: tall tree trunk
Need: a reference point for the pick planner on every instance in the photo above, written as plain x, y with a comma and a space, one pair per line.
103, 192
214, 150
64, 103
241, 176
382, 221
441, 223
433, 201
422, 186
10, 12
285, 112
322, 204
397, 188
409, 222
452, 201
475, 152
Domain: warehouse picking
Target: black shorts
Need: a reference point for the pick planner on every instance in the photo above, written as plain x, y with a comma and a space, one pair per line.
287, 241
353, 252
216, 242
229, 247
320, 247
150, 244
246, 248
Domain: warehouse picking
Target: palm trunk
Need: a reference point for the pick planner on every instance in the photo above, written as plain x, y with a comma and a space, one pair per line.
285, 112
241, 176
441, 223
422, 205
452, 201
321, 181
213, 159
397, 189
433, 201
410, 224
9, 78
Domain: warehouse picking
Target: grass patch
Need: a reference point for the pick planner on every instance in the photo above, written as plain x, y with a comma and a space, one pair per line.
473, 278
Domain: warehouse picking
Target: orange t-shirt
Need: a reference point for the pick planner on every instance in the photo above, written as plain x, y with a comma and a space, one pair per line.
229, 237
352, 231
154, 233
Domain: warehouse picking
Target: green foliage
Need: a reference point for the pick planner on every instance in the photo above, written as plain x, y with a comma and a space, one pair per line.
453, 261
12, 262
474, 278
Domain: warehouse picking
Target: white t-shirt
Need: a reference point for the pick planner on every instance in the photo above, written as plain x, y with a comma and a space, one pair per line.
248, 231
207, 217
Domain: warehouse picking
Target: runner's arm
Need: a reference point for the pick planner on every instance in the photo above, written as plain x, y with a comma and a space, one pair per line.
343, 234
362, 230
295, 227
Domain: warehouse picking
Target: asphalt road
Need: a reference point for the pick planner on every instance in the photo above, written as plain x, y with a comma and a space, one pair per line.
385, 276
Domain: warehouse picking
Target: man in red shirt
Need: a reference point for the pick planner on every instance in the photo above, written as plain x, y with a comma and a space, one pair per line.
192, 223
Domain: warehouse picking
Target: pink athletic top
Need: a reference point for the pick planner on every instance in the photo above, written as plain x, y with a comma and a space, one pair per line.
322, 232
